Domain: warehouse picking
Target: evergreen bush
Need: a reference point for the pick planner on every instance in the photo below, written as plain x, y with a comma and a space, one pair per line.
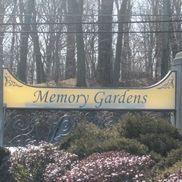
172, 157
88, 139
134, 125
157, 134
160, 143
173, 173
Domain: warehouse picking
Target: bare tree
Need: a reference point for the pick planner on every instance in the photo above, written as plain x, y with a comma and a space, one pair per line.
12, 19
70, 71
165, 57
176, 37
81, 67
101, 54
37, 53
126, 52
27, 12
117, 63
104, 68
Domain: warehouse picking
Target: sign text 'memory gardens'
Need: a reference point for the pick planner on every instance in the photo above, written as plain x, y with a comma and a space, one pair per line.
100, 98
160, 96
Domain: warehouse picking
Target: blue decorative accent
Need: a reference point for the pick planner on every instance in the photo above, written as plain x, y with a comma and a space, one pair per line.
63, 128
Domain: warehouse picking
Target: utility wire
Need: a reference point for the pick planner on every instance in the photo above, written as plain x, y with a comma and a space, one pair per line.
88, 15
90, 32
91, 23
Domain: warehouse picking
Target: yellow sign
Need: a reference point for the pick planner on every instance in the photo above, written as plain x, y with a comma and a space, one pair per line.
160, 96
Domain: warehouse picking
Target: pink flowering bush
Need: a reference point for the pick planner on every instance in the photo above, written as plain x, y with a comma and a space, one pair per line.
59, 167
45, 163
34, 163
109, 166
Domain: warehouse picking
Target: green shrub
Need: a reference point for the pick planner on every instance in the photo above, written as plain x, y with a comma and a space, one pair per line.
157, 134
89, 133
135, 125
135, 134
160, 143
172, 157
164, 175
88, 139
83, 148
155, 156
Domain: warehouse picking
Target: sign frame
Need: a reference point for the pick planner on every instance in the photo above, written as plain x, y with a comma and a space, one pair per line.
13, 83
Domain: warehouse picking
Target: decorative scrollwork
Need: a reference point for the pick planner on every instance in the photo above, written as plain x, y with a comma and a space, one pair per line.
20, 124
168, 85
23, 127
23, 139
10, 83
20, 127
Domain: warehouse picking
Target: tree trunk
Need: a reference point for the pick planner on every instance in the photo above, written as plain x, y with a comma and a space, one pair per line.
104, 68
38, 56
165, 39
176, 37
81, 68
126, 52
70, 71
12, 50
49, 54
57, 72
117, 63
22, 66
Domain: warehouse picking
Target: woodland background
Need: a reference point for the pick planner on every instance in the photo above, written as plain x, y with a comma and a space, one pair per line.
90, 43
95, 42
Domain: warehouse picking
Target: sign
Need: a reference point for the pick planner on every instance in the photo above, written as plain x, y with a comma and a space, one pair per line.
160, 96
1, 104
